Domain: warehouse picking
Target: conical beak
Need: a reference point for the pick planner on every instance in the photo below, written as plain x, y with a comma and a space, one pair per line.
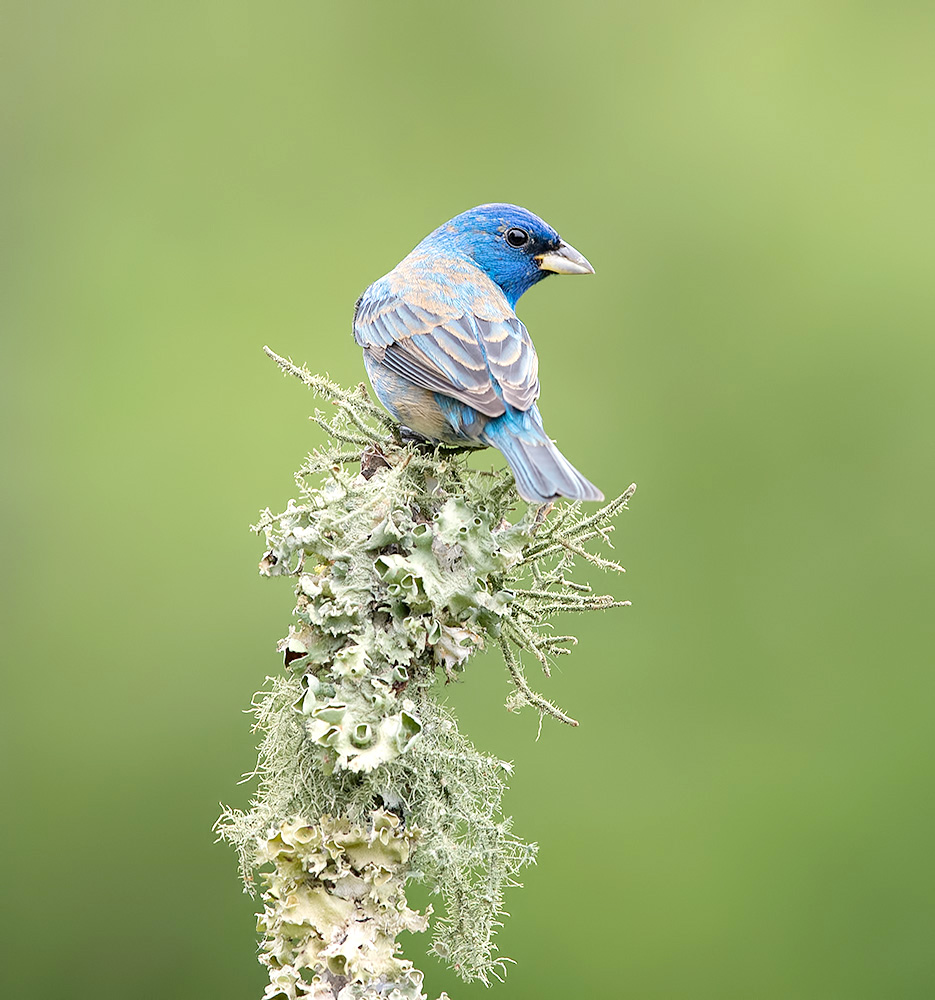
565, 260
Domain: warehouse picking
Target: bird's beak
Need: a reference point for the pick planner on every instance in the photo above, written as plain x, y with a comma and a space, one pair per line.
565, 260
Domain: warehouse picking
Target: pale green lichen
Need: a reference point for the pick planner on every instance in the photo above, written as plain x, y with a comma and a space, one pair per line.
402, 570
335, 903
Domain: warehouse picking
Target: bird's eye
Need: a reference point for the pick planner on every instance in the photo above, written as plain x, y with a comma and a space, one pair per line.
517, 237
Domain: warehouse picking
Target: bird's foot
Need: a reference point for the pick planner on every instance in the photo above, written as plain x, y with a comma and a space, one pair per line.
456, 449
408, 436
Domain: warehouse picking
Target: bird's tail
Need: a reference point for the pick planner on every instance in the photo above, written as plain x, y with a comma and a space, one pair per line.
541, 471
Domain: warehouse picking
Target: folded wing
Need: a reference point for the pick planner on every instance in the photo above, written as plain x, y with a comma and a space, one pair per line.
484, 363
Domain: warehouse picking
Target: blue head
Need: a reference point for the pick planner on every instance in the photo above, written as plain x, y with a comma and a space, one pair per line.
511, 245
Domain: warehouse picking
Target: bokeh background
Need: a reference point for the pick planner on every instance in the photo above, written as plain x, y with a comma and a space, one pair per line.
745, 811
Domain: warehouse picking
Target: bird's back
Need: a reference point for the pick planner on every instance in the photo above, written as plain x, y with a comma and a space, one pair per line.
440, 320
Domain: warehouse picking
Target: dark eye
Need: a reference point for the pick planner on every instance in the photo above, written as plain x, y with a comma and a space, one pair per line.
517, 237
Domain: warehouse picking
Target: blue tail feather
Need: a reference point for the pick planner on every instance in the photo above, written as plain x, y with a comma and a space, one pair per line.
541, 471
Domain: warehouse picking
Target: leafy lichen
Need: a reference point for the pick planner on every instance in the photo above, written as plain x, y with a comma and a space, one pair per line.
335, 903
405, 561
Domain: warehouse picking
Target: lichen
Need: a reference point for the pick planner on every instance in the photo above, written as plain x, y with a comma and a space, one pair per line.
335, 903
405, 562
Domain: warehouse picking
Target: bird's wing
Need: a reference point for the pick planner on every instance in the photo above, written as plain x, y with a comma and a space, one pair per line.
481, 362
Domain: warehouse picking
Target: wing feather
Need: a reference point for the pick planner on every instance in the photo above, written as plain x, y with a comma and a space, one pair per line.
484, 363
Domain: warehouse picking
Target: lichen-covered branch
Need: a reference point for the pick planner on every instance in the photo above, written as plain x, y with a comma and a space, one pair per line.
405, 561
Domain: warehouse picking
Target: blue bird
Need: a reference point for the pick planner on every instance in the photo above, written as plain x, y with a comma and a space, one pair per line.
447, 355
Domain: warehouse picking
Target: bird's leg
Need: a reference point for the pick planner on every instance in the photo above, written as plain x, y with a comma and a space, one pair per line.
456, 449
408, 436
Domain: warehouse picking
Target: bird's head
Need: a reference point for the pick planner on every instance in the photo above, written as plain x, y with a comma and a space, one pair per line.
511, 245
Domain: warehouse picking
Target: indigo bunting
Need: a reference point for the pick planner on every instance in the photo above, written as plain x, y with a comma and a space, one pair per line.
447, 355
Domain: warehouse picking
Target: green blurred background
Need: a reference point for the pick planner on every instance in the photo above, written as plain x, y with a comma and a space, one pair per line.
745, 811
